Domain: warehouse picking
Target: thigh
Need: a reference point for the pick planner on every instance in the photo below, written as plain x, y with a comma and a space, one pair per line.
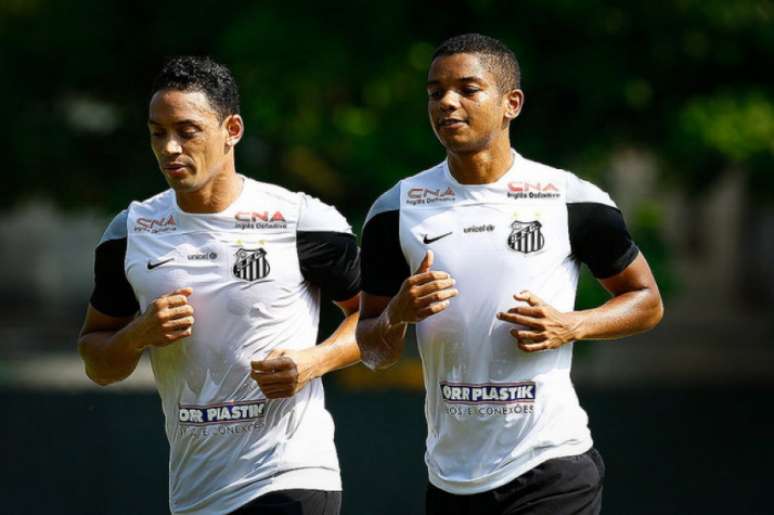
562, 486
294, 502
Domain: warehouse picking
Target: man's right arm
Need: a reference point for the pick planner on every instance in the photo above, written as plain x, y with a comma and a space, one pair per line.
108, 355
381, 331
391, 296
111, 346
113, 335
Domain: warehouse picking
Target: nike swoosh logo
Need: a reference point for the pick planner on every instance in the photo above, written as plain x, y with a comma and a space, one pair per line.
428, 241
151, 266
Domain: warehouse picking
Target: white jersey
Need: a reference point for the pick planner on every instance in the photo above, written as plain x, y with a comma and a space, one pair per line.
494, 411
256, 270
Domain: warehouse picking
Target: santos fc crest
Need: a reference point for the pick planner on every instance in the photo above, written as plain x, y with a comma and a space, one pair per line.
251, 264
526, 237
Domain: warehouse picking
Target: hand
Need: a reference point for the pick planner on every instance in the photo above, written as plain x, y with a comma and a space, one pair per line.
167, 319
283, 372
547, 327
423, 294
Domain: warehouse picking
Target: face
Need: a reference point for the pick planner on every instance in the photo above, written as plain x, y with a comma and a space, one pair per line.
191, 144
468, 112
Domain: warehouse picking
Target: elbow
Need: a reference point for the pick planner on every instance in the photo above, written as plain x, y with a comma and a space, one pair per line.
92, 374
655, 313
658, 314
378, 362
374, 356
99, 381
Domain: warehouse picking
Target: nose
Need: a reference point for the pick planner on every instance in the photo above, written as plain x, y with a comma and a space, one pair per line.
171, 146
449, 101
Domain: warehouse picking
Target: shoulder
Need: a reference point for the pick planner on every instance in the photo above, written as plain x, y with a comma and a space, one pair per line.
582, 191
118, 226
272, 191
316, 215
116, 229
390, 200
576, 190
152, 207
386, 202
313, 214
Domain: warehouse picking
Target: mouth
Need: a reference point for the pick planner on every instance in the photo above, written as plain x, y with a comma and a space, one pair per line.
174, 169
451, 123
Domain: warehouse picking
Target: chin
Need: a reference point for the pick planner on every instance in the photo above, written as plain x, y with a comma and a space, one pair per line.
462, 147
181, 185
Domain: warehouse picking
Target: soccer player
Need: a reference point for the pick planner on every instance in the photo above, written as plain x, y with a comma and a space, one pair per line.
482, 252
220, 278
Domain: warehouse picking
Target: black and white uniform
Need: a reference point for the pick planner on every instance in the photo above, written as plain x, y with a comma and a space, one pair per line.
493, 411
257, 270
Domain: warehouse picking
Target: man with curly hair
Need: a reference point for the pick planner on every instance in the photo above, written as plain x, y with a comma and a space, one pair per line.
219, 278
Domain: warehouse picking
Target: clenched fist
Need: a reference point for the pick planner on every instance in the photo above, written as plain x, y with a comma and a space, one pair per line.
423, 294
167, 319
284, 372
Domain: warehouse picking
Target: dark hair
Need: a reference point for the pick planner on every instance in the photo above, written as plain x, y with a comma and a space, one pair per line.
500, 60
192, 73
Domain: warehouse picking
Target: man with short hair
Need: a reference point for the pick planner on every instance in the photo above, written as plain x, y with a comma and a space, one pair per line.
220, 278
482, 252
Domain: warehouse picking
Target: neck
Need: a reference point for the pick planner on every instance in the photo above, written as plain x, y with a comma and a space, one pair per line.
215, 196
481, 167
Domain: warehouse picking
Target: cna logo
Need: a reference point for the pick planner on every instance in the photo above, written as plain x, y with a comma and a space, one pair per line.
417, 196
227, 412
260, 220
500, 393
532, 190
155, 225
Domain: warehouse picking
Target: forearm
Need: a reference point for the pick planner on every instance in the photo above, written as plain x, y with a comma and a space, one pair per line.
623, 315
109, 356
339, 350
381, 343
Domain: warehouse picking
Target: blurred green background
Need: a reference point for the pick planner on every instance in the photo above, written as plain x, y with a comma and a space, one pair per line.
669, 106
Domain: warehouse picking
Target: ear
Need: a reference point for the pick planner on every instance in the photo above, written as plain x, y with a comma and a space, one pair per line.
235, 128
514, 101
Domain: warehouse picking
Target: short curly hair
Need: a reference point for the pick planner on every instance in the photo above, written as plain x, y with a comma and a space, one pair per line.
194, 73
500, 59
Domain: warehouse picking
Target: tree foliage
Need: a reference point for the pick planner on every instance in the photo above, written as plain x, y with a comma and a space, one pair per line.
334, 97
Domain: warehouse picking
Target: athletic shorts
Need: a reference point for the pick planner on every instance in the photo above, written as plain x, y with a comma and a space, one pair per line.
562, 486
294, 502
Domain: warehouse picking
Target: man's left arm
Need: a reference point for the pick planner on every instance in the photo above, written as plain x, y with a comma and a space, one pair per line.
285, 372
634, 307
329, 258
600, 239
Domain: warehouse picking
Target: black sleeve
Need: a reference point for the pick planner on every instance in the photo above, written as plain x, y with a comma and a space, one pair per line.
112, 293
330, 260
599, 238
383, 265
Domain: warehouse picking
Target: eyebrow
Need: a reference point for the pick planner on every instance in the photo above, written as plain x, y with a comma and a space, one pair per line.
187, 121
461, 79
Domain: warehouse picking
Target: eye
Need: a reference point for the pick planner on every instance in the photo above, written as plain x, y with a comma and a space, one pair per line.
435, 94
469, 90
156, 134
188, 133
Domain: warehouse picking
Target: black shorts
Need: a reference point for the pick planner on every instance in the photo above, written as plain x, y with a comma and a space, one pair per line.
294, 502
569, 485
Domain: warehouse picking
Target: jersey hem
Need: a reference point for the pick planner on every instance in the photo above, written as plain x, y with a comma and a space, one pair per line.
305, 479
498, 479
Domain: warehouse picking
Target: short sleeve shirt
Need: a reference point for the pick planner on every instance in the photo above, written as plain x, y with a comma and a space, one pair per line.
494, 411
257, 270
